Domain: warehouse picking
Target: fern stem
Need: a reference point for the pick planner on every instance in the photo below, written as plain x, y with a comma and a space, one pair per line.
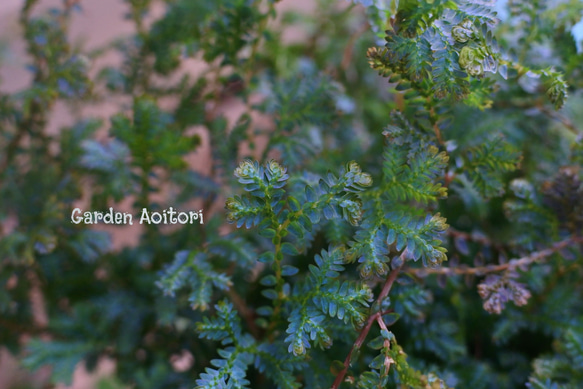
477, 238
349, 49
365, 330
242, 307
565, 121
434, 118
510, 265
278, 276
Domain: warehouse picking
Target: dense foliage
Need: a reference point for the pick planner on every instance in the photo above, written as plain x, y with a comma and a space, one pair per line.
419, 228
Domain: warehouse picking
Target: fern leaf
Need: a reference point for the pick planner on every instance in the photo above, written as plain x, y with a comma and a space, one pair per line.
573, 342
448, 77
63, 356
487, 163
305, 324
192, 269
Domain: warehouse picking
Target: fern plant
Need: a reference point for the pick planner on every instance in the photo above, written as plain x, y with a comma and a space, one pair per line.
412, 229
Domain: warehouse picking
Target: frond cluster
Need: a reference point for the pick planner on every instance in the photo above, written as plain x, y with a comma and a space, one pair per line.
411, 171
487, 163
443, 49
562, 370
322, 297
193, 270
230, 370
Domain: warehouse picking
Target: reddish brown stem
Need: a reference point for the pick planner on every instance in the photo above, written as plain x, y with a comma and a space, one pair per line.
347, 56
512, 264
365, 330
244, 311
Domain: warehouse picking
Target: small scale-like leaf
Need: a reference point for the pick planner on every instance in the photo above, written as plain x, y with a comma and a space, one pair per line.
266, 257
269, 293
269, 280
289, 249
288, 270
311, 194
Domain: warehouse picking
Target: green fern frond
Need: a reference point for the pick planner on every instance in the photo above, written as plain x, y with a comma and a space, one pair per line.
487, 163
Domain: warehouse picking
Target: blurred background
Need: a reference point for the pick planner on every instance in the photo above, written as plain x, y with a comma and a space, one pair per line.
95, 26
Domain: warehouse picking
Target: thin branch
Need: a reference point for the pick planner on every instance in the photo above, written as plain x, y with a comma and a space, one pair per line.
381, 323
244, 311
387, 343
365, 330
348, 50
357, 344
477, 238
437, 133
448, 178
388, 284
540, 105
565, 121
510, 265
19, 329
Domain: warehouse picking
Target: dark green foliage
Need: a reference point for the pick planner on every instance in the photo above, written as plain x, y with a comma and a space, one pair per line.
194, 271
226, 328
421, 233
487, 163
563, 370
64, 356
410, 167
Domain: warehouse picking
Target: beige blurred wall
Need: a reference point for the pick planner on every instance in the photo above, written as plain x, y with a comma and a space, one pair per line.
100, 21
